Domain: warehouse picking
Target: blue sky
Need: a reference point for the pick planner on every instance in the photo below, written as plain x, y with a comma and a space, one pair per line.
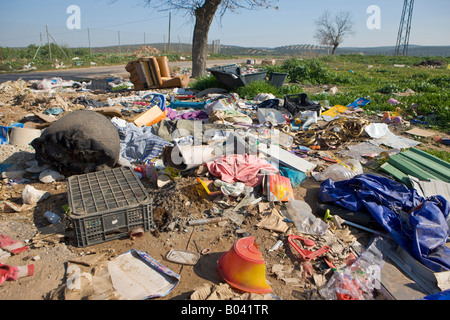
22, 22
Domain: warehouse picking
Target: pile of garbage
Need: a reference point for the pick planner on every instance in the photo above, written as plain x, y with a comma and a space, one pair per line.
243, 156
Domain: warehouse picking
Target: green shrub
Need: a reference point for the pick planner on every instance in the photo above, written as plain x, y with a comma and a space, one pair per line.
206, 82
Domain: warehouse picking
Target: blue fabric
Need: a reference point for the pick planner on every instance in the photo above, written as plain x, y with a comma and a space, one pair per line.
444, 295
139, 145
296, 177
4, 132
157, 99
417, 224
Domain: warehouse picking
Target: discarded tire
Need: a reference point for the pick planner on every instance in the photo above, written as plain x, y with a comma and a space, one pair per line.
79, 142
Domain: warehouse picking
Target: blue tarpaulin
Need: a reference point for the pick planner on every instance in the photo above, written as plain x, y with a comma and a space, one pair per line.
417, 224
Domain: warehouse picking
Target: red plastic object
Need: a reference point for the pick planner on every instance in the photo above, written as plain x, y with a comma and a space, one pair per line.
243, 267
306, 255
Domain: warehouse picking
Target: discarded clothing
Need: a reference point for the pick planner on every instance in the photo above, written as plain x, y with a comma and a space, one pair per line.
12, 273
89, 102
170, 130
417, 224
240, 168
138, 144
229, 117
188, 115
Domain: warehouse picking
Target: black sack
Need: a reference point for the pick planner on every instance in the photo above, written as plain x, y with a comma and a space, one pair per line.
77, 143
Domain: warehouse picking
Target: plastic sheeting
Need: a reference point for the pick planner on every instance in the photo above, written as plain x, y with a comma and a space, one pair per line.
417, 224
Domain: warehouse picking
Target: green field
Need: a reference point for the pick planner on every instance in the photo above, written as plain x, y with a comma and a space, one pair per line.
377, 78
14, 59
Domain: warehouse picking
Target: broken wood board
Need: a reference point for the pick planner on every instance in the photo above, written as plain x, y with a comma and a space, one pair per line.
45, 117
421, 132
431, 188
278, 155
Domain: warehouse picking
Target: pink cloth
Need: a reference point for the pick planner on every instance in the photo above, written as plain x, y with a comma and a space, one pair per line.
11, 273
240, 168
10, 245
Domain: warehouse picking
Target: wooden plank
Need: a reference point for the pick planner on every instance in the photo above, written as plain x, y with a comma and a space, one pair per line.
275, 153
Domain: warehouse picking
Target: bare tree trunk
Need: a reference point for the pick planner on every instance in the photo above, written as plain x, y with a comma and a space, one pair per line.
334, 49
204, 17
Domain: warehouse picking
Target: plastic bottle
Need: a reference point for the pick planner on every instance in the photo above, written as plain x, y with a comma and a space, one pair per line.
52, 217
271, 118
387, 154
282, 139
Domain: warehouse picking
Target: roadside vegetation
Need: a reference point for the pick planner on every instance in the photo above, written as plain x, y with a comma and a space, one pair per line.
423, 92
22, 59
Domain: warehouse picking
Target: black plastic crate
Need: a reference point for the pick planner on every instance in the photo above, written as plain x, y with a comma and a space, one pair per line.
107, 205
293, 104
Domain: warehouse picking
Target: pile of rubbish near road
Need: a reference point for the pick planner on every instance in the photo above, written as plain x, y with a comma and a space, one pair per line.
253, 153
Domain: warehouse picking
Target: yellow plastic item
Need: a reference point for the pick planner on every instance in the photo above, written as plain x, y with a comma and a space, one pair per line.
204, 191
334, 111
243, 267
150, 117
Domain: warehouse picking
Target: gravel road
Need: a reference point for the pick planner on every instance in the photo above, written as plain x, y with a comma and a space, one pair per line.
94, 72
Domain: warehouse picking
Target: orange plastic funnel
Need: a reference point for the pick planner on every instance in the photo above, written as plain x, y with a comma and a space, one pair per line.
243, 267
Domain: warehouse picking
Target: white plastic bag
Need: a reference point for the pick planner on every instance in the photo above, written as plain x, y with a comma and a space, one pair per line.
30, 195
362, 278
300, 213
232, 189
341, 171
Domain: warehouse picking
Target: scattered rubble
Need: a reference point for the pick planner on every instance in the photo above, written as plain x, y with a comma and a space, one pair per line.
189, 190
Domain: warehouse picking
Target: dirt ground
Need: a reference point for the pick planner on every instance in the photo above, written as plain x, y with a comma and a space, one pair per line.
174, 205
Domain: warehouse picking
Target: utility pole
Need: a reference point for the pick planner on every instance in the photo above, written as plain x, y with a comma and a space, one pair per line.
89, 38
40, 45
170, 23
48, 42
405, 29
120, 47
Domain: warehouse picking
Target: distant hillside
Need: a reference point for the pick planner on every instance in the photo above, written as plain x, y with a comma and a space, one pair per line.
290, 50
413, 50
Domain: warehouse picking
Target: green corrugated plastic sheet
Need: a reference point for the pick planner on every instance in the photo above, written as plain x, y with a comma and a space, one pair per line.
396, 174
418, 164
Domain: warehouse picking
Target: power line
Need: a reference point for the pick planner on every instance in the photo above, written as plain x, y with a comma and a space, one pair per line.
98, 28
405, 28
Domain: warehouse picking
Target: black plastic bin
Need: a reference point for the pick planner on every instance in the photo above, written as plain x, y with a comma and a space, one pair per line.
255, 76
107, 205
277, 79
231, 76
228, 79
